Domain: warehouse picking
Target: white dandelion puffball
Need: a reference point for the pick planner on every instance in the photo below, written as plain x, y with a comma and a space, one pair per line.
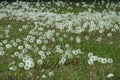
4, 41
13, 68
43, 76
16, 53
90, 62
90, 54
110, 75
50, 73
20, 47
67, 45
40, 61
71, 38
28, 46
60, 39
8, 46
21, 64
104, 61
26, 67
44, 48
14, 44
94, 58
110, 60
40, 52
100, 59
109, 34
62, 61
2, 53
48, 53
87, 37
99, 39
38, 41
18, 40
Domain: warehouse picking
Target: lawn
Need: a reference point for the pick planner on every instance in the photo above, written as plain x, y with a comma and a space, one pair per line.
60, 41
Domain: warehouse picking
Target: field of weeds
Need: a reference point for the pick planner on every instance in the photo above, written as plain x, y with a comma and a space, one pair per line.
59, 41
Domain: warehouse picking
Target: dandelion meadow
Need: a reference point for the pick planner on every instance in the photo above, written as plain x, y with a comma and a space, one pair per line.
59, 40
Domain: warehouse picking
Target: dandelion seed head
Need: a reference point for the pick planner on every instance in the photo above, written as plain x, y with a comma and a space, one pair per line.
2, 53
90, 54
110, 75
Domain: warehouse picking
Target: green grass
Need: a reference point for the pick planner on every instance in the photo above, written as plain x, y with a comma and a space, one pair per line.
74, 69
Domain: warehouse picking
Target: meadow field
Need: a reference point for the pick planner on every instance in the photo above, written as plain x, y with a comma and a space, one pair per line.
60, 40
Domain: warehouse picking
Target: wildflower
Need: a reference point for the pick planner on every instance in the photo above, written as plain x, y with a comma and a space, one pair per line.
26, 67
43, 56
101, 31
94, 58
40, 29
65, 35
61, 39
50, 73
43, 48
104, 60
18, 40
4, 41
27, 46
16, 53
79, 51
21, 64
29, 63
53, 39
99, 39
31, 40
43, 76
90, 62
109, 34
48, 53
20, 47
7, 36
43, 70
62, 61
100, 59
87, 37
110, 75
38, 41
45, 41
67, 45
77, 4
13, 68
40, 52
24, 51
70, 56
58, 46
20, 56
2, 53
90, 54
78, 40
71, 38
75, 52
59, 50
20, 29
8, 46
40, 61
113, 30
110, 60
14, 44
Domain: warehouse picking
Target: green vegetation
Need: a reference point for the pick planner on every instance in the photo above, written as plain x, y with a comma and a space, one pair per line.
75, 68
